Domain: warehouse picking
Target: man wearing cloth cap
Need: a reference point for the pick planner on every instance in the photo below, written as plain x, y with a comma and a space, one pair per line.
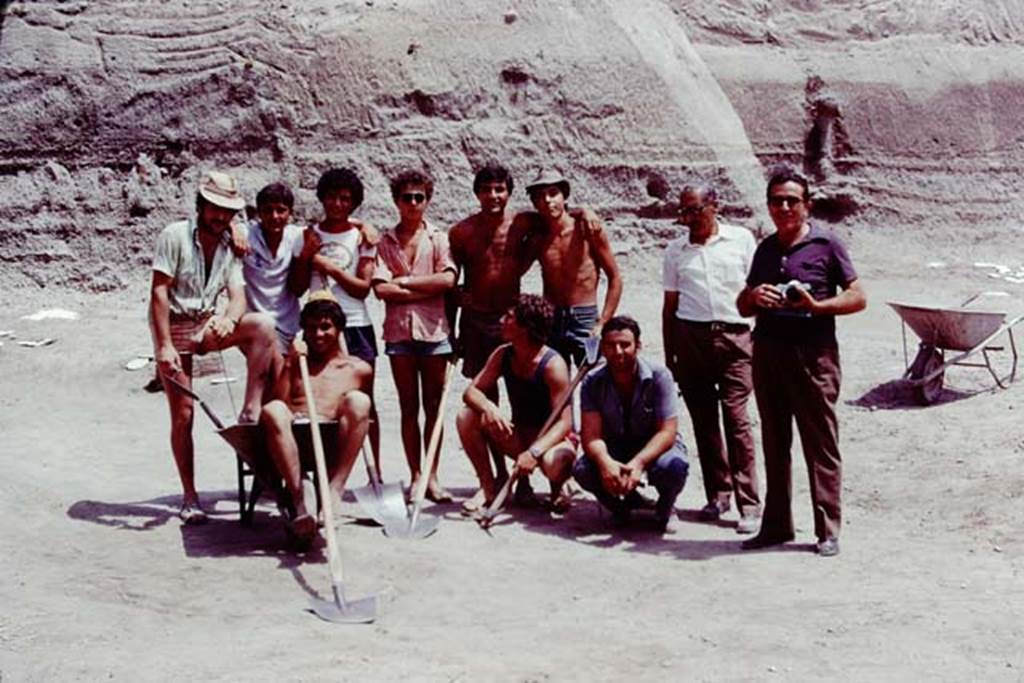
571, 260
192, 264
708, 347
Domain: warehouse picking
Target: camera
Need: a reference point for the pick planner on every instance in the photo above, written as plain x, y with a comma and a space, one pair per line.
791, 290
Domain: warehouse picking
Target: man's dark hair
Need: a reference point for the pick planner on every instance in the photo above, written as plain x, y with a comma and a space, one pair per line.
411, 177
323, 308
536, 315
787, 174
621, 322
276, 193
341, 179
492, 172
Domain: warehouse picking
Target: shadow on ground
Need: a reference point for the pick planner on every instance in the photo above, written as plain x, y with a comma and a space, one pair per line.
589, 524
222, 536
899, 395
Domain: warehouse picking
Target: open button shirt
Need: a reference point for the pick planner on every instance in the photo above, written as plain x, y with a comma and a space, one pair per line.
627, 429
179, 255
424, 319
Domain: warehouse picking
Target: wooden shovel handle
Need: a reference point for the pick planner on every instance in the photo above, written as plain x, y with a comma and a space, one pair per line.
563, 400
434, 445
333, 555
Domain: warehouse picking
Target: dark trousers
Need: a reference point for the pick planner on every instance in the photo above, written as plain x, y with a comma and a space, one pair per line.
799, 382
713, 368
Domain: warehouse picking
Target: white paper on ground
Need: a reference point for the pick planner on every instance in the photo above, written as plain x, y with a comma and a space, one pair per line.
52, 314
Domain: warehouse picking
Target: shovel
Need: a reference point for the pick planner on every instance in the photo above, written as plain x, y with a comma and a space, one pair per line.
591, 346
384, 503
195, 397
416, 527
340, 610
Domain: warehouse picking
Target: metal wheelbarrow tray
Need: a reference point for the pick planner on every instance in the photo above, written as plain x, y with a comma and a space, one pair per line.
963, 332
250, 445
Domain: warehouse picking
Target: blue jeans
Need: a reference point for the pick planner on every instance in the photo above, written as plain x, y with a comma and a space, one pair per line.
571, 326
667, 475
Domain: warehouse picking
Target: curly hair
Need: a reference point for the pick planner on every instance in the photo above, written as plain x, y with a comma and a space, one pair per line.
411, 177
536, 315
341, 179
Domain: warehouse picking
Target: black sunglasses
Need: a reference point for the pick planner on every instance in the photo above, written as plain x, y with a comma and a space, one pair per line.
789, 202
410, 197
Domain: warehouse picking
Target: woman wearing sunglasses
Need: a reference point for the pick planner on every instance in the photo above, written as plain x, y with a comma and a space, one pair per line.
414, 270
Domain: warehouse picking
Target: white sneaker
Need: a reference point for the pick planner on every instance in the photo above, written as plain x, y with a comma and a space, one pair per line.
748, 524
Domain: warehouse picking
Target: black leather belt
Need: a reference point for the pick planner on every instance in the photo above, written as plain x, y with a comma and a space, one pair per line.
717, 326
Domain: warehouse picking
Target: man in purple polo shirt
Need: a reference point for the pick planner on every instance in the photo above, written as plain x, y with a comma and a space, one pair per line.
800, 279
629, 427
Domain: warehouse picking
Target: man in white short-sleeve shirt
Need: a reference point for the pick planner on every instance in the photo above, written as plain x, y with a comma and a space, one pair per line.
273, 242
708, 348
192, 266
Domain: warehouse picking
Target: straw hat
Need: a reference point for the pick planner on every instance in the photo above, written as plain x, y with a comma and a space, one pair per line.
221, 189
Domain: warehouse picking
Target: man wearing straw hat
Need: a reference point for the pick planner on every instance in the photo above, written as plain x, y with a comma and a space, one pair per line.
192, 265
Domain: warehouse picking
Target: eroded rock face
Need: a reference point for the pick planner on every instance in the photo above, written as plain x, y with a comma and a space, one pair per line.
111, 109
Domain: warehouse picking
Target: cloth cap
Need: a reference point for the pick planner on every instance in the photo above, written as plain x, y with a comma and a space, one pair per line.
221, 189
549, 176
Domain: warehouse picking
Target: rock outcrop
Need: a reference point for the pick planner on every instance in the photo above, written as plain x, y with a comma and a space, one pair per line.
904, 113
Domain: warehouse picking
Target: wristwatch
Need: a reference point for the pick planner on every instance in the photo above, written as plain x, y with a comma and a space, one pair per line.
535, 452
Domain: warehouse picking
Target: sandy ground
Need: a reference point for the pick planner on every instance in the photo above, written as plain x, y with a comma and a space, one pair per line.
102, 582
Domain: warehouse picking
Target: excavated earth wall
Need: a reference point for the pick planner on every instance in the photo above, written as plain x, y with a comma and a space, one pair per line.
905, 113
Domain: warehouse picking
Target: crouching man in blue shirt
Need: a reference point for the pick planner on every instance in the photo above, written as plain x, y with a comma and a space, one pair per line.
629, 427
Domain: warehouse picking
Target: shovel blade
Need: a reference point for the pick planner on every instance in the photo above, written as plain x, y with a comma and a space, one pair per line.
425, 526
385, 504
342, 611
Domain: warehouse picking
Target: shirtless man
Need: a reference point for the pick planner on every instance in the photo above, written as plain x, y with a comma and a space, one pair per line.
494, 261
339, 384
535, 377
571, 261
493, 250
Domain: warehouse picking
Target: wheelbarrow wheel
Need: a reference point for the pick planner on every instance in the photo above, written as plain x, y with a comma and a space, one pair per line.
929, 359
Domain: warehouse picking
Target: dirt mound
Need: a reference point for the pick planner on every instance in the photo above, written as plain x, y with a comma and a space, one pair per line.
903, 113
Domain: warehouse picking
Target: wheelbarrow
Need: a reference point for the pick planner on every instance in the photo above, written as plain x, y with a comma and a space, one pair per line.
961, 332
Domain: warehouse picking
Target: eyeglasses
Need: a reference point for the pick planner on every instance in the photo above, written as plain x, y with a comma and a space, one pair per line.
778, 201
695, 208
413, 197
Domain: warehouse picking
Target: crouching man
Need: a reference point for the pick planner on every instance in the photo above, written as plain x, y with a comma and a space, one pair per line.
536, 377
339, 384
629, 427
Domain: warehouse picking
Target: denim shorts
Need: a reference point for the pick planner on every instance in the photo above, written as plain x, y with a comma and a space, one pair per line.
415, 347
361, 343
